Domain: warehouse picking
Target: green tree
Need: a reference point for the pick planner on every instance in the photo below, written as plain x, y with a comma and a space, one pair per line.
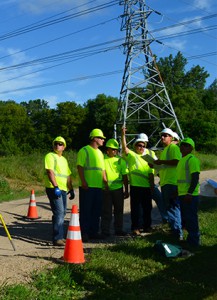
15, 129
101, 113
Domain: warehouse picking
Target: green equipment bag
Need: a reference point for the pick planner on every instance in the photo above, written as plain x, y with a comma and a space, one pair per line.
168, 250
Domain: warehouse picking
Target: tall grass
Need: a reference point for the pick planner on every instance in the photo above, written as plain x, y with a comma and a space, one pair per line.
20, 174
132, 269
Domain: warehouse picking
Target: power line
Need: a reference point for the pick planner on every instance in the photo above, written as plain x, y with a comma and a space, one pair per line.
64, 81
33, 27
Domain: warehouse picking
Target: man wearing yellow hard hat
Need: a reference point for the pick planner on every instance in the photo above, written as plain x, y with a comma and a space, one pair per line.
188, 170
91, 171
116, 191
57, 182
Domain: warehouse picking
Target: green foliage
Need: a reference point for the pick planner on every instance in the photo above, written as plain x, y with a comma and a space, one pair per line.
32, 126
21, 173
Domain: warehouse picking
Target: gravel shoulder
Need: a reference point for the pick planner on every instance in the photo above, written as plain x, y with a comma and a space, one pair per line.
32, 238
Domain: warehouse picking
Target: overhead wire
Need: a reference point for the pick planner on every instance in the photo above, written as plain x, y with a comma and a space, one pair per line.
30, 28
75, 56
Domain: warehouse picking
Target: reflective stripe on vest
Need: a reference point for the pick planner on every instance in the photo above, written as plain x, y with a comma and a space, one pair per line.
87, 167
55, 165
187, 173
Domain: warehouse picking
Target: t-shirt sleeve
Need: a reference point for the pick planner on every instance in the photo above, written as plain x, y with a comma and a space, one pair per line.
194, 165
49, 162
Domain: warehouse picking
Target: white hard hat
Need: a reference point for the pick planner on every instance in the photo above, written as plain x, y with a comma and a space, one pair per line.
168, 131
141, 137
176, 136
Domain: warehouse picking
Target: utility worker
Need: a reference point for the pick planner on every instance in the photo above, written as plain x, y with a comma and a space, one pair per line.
113, 194
91, 171
188, 170
169, 159
141, 184
57, 182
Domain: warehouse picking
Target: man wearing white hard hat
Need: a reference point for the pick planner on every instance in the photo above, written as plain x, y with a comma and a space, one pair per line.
141, 183
91, 171
188, 170
169, 159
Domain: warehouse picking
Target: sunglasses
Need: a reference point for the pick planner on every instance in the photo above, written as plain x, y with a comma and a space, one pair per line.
58, 144
165, 135
140, 146
99, 137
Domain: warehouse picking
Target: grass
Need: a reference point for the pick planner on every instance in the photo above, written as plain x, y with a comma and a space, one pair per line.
133, 269
21, 174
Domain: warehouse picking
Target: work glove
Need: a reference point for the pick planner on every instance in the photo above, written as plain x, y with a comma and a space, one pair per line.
57, 191
72, 194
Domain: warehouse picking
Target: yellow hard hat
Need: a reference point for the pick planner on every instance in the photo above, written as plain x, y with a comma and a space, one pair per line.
112, 143
59, 139
97, 133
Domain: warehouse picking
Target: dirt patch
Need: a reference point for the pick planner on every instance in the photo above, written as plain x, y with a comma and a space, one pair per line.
32, 238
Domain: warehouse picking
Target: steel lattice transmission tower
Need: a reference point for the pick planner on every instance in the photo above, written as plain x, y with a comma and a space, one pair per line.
143, 96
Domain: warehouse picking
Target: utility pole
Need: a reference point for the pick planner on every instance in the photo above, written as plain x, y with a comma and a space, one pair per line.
143, 96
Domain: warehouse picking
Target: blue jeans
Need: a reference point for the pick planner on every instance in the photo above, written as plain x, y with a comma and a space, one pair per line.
169, 192
190, 218
157, 197
90, 207
58, 207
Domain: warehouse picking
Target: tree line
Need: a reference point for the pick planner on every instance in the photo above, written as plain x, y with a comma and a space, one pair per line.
31, 126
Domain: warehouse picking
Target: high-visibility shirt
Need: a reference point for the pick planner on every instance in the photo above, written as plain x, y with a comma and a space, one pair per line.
59, 165
139, 169
115, 168
150, 152
92, 160
187, 165
168, 174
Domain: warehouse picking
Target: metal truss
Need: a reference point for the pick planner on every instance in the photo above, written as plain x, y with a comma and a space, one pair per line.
143, 96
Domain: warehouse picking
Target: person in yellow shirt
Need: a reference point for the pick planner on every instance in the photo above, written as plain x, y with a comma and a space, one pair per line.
116, 190
92, 178
169, 159
57, 182
188, 171
141, 185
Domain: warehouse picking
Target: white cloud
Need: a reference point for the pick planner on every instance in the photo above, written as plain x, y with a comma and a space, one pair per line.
203, 4
14, 79
42, 6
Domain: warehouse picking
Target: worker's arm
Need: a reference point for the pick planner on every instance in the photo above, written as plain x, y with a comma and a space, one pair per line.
84, 184
123, 141
172, 162
69, 183
193, 184
125, 182
105, 180
51, 177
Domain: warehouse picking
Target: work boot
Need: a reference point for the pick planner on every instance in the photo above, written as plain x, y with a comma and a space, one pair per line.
58, 243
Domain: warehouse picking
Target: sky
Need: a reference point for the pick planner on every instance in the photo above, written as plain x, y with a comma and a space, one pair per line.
69, 50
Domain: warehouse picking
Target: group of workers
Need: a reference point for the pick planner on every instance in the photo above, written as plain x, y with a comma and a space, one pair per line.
105, 180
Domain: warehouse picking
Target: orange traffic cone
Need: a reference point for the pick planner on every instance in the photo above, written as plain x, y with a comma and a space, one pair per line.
32, 211
73, 252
